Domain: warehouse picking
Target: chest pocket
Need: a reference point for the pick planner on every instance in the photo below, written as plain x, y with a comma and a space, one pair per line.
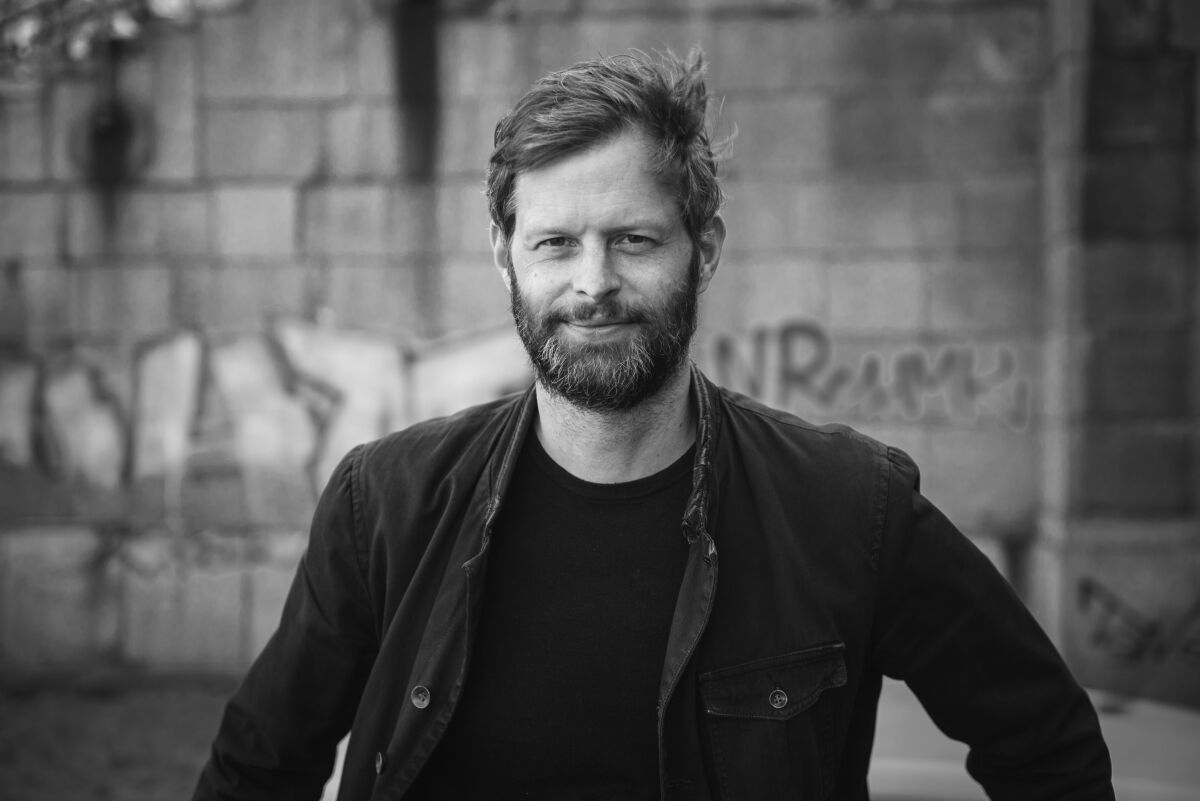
769, 723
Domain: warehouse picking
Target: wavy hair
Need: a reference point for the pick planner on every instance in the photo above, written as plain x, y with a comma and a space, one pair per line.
582, 106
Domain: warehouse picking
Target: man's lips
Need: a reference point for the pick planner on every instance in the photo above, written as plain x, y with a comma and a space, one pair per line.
597, 323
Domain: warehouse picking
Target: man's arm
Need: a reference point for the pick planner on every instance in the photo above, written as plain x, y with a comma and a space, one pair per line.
279, 733
951, 626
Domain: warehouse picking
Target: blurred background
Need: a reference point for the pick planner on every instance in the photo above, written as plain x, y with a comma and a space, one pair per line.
238, 237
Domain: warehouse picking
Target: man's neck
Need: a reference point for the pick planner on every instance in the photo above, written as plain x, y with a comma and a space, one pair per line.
609, 447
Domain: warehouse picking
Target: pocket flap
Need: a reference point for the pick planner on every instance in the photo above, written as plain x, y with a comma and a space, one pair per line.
775, 688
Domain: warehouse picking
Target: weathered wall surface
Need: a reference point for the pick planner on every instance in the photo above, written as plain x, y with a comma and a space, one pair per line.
1120, 537
304, 265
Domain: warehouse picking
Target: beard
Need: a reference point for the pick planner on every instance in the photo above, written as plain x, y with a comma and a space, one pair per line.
609, 376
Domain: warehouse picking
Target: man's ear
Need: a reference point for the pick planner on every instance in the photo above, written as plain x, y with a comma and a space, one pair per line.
500, 253
711, 242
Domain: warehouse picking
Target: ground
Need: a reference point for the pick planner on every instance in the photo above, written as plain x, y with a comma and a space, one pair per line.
106, 743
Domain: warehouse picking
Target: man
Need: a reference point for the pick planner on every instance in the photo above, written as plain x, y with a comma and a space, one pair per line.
629, 583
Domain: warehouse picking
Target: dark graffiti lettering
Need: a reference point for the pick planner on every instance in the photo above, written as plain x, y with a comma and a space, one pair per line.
1127, 635
795, 362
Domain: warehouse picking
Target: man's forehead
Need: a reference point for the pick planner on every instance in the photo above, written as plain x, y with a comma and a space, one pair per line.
615, 179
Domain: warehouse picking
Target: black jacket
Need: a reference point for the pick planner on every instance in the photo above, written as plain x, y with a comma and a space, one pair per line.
833, 571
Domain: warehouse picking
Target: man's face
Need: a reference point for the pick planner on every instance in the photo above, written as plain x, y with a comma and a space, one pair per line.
602, 275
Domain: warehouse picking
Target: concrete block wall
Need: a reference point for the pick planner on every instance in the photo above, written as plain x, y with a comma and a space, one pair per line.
1115, 566
304, 264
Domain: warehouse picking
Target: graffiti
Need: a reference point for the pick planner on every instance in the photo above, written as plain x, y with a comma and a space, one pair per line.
793, 366
1127, 635
270, 413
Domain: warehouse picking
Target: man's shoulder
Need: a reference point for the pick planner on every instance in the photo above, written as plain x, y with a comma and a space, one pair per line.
752, 419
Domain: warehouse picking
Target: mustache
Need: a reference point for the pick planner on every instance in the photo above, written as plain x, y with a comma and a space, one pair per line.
598, 312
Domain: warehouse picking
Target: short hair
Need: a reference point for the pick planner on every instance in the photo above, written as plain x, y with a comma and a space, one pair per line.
575, 109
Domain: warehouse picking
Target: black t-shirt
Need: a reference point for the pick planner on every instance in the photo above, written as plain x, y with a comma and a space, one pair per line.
563, 683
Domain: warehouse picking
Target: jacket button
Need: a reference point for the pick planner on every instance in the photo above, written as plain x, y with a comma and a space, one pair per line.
420, 696
778, 698
379, 762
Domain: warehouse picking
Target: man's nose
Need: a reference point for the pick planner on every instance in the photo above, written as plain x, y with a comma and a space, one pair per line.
595, 274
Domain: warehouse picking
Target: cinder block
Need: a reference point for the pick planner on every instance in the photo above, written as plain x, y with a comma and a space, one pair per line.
1128, 27
1064, 379
776, 288
71, 99
242, 295
540, 7
477, 58
1140, 374
884, 134
466, 134
463, 221
1001, 214
145, 223
368, 219
877, 296
984, 479
1132, 469
346, 219
373, 62
123, 301
59, 604
1063, 200
723, 305
270, 425
44, 299
780, 134
890, 216
23, 141
85, 427
254, 221
18, 383
1064, 109
1136, 284
261, 142
855, 51
558, 43
29, 223
297, 49
998, 295
456, 373
376, 294
366, 373
1070, 31
1141, 101
1139, 194
164, 79
1002, 46
168, 381
184, 604
754, 54
979, 133
364, 140
474, 297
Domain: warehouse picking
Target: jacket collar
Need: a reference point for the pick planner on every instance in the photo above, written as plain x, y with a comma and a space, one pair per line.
695, 517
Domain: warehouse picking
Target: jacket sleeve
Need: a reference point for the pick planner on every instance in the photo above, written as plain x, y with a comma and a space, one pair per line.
950, 625
279, 733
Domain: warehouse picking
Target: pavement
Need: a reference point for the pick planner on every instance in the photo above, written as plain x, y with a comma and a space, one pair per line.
1155, 750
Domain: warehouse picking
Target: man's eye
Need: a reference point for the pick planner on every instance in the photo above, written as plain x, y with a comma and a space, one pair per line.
554, 242
636, 241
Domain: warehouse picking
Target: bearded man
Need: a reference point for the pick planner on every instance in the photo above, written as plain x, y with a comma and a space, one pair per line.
628, 583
